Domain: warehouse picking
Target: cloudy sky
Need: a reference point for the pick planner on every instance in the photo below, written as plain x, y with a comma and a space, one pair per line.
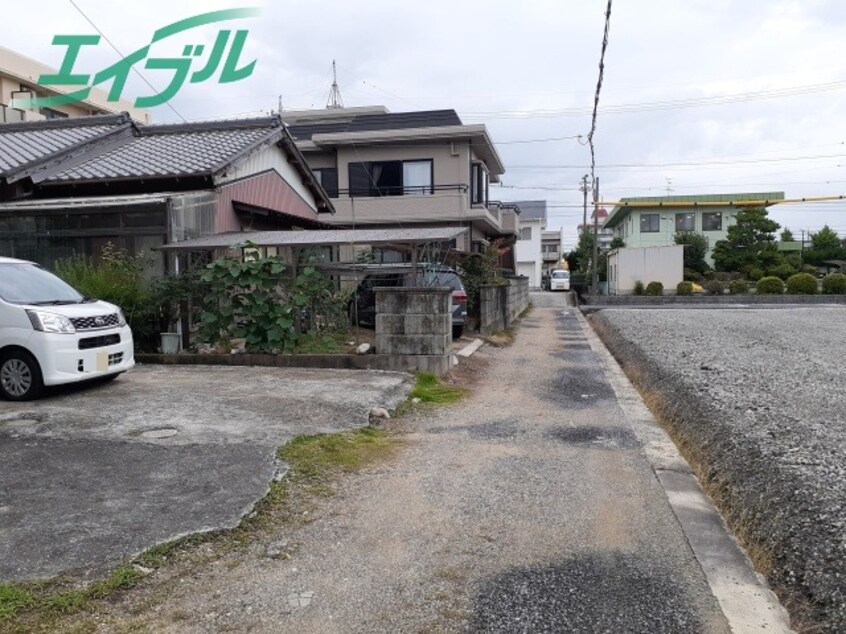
699, 96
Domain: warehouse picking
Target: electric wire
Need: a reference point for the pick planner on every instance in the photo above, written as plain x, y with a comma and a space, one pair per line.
122, 56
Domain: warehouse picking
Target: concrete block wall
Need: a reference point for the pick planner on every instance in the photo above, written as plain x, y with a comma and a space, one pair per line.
500, 305
413, 321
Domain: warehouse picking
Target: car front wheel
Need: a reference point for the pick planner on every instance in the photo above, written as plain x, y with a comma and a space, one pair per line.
20, 376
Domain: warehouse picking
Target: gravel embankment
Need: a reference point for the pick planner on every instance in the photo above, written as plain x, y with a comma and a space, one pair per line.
756, 399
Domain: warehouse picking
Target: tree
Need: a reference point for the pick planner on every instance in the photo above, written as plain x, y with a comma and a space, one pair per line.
787, 235
825, 245
695, 249
617, 243
746, 241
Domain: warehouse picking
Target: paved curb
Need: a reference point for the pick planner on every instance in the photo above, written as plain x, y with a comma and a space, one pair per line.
744, 597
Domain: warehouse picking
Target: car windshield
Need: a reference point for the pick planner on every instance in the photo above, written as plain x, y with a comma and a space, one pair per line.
560, 275
441, 278
22, 283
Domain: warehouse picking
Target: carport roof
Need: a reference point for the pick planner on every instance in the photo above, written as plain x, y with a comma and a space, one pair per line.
414, 236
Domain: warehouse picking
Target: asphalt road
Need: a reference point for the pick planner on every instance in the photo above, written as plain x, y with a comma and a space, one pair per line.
530, 506
92, 475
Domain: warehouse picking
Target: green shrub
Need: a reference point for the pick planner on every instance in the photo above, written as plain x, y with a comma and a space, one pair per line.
782, 271
770, 286
638, 288
834, 284
655, 288
709, 274
693, 276
810, 268
753, 272
118, 278
738, 287
684, 288
802, 284
714, 287
723, 276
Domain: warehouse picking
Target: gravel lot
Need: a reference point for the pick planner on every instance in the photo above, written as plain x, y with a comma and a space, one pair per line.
755, 397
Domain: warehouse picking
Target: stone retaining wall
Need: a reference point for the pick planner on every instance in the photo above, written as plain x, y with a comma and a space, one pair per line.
500, 305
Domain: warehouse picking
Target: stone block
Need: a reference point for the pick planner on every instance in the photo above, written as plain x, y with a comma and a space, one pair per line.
420, 301
412, 344
430, 324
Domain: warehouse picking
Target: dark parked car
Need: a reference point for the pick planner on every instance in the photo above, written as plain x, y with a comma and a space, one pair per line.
363, 311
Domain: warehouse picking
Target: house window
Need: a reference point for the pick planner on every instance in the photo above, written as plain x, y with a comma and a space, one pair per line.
525, 233
328, 179
479, 181
650, 223
685, 222
49, 113
391, 178
712, 221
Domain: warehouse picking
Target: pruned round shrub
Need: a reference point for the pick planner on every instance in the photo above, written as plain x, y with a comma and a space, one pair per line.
684, 288
722, 276
802, 284
638, 288
709, 274
770, 286
714, 287
655, 288
693, 276
782, 271
754, 273
738, 287
834, 284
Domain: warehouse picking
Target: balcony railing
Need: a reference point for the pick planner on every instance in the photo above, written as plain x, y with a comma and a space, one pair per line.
378, 191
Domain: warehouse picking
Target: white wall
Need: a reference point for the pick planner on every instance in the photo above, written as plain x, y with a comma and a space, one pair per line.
527, 253
645, 264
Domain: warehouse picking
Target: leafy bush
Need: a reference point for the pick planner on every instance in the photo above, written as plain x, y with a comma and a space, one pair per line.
782, 271
738, 287
770, 286
684, 288
709, 274
753, 272
118, 278
714, 287
654, 288
802, 284
693, 276
638, 288
834, 284
266, 304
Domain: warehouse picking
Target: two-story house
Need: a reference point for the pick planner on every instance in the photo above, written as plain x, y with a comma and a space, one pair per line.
654, 221
389, 170
19, 81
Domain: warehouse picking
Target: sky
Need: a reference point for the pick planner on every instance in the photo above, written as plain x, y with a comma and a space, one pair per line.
698, 97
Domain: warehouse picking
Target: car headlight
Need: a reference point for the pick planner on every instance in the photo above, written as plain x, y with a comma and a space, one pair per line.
121, 317
50, 322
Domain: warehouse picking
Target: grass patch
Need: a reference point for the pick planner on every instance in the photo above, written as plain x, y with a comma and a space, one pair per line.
321, 343
12, 599
313, 457
430, 389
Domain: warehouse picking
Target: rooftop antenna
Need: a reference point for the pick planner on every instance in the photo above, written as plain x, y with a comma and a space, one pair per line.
669, 187
335, 100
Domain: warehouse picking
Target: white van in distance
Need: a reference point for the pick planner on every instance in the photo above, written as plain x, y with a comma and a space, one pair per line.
559, 280
50, 334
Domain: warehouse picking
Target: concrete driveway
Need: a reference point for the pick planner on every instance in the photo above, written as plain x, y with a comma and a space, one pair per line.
93, 475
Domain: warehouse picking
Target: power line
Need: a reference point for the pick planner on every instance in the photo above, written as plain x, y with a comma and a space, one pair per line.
123, 57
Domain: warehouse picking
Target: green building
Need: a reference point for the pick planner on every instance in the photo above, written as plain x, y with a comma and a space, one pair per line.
654, 221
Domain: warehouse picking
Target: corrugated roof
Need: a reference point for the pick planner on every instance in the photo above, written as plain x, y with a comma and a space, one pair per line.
321, 237
25, 143
371, 122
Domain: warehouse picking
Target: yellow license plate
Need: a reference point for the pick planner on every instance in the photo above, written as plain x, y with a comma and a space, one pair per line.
102, 361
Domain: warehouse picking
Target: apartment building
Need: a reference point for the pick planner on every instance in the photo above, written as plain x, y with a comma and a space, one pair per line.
422, 169
19, 80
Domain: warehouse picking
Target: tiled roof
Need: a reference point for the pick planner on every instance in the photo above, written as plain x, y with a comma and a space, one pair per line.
372, 122
166, 151
25, 143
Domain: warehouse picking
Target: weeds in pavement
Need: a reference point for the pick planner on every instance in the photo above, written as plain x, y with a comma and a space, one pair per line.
430, 389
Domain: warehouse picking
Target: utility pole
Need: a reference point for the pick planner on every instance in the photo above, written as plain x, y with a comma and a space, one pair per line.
802, 250
584, 190
595, 263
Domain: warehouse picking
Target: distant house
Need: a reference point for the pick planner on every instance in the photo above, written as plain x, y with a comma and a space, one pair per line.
654, 221
18, 80
605, 234
405, 169
72, 185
